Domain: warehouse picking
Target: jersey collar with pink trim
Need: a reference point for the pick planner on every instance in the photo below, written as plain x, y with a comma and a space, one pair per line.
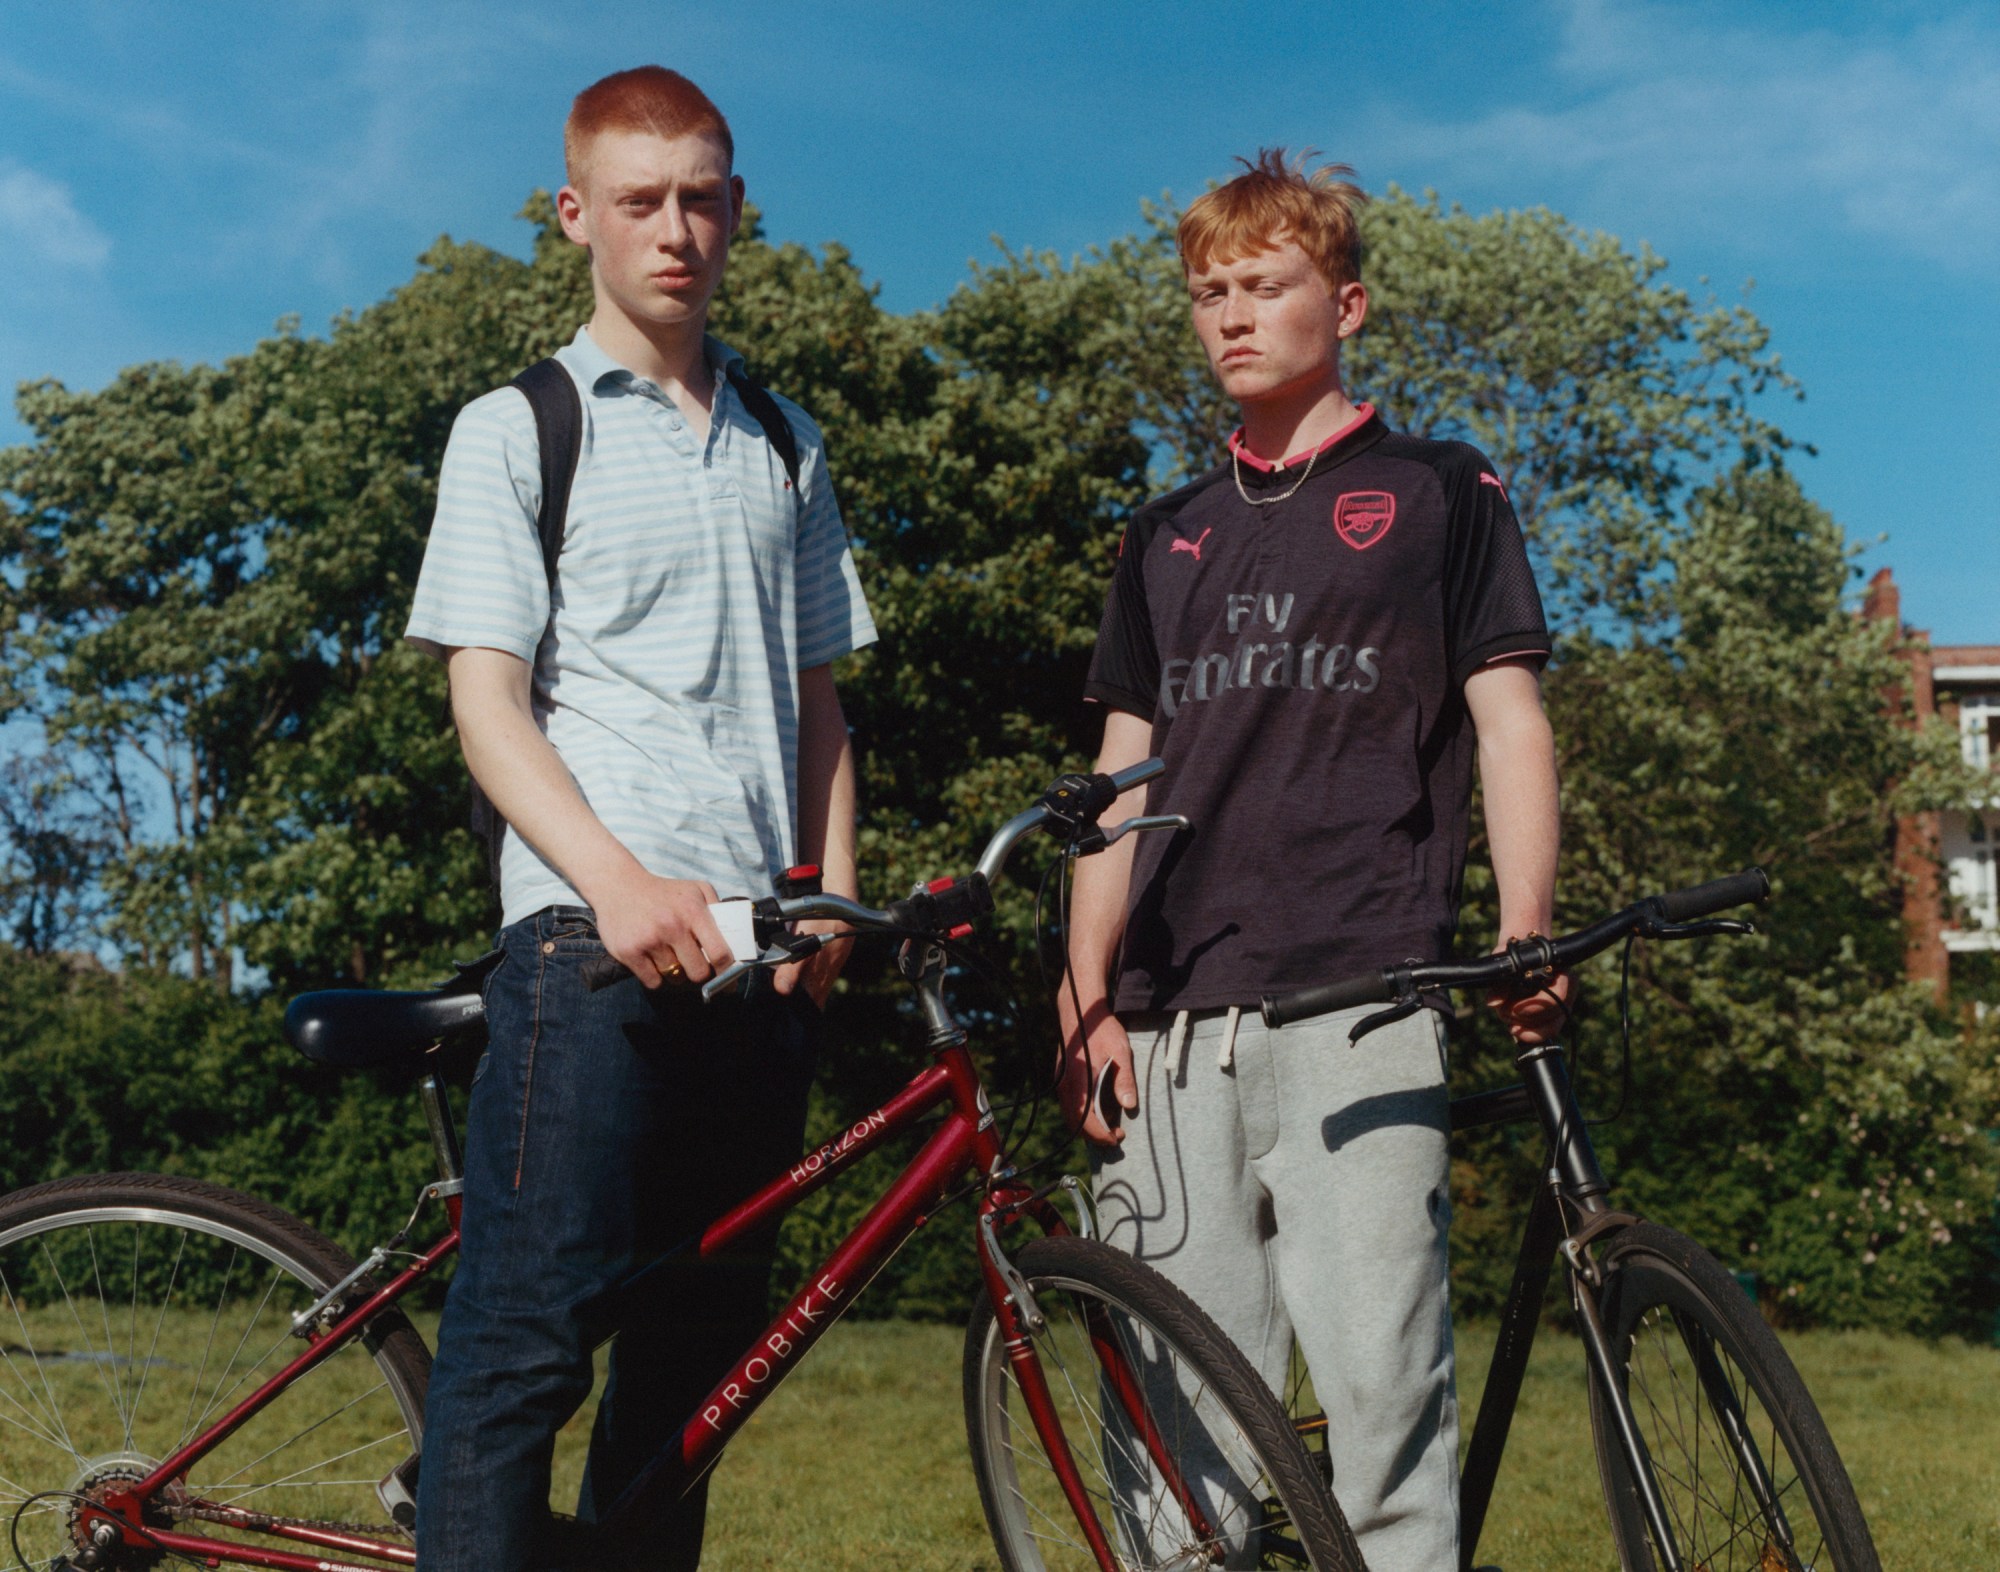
1240, 451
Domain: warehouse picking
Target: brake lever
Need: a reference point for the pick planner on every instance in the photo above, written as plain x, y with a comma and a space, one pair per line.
1138, 825
1698, 930
796, 947
1401, 1010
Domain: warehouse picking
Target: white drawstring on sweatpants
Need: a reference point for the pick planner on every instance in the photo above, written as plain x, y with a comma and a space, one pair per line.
1227, 1057
1177, 1036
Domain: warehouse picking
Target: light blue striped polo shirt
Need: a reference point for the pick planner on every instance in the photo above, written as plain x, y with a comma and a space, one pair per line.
690, 593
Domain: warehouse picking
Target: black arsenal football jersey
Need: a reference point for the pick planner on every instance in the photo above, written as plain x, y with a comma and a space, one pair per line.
1303, 666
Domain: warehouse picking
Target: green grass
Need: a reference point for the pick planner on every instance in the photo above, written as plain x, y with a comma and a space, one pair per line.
1918, 1425
93, 1388
859, 1461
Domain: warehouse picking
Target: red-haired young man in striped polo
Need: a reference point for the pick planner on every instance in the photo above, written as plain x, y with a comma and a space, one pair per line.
652, 713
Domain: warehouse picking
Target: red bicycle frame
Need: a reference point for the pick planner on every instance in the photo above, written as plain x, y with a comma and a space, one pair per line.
965, 1141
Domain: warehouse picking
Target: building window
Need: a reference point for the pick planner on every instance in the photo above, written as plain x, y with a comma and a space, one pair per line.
1979, 730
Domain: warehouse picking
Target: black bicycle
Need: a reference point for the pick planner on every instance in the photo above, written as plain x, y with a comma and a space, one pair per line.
1710, 1451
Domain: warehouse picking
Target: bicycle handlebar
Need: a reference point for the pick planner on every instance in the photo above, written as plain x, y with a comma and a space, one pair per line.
1718, 895
1095, 793
1657, 916
1074, 802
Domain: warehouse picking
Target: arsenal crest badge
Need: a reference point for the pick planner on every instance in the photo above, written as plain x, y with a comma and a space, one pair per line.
1363, 517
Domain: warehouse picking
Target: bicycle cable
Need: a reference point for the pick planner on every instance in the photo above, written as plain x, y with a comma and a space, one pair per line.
1022, 1172
1624, 1032
1050, 992
956, 949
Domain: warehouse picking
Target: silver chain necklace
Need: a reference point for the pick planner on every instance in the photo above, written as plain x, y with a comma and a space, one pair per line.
1236, 469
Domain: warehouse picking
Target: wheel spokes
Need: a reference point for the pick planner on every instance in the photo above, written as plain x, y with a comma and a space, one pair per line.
1717, 1455
1120, 1472
123, 1349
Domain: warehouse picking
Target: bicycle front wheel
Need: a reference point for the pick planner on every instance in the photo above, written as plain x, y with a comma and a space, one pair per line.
1182, 1453
136, 1311
1743, 1463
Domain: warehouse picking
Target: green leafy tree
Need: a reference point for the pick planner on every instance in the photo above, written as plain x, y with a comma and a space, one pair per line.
204, 573
211, 568
1602, 394
132, 541
1793, 1102
53, 841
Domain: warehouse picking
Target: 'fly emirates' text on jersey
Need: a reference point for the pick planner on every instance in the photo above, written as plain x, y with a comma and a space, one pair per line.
1303, 666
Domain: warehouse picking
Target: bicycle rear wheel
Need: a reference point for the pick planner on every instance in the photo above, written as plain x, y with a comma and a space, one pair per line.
1748, 1473
135, 1311
1249, 1495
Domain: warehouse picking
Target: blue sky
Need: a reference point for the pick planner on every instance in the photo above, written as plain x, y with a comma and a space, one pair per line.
173, 179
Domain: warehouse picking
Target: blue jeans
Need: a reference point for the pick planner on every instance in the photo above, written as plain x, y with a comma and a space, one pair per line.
604, 1129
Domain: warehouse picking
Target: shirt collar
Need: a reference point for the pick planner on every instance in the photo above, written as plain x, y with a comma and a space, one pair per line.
1364, 415
593, 365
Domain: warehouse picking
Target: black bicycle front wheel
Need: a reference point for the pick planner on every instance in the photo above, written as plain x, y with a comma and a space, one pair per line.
136, 1311
1247, 1496
1747, 1473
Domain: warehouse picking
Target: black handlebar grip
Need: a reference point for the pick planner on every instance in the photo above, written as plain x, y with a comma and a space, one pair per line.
1281, 1009
1752, 884
1137, 775
601, 971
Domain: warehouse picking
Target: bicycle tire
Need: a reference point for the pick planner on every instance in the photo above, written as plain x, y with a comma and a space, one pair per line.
1219, 1419
135, 1310
1665, 1305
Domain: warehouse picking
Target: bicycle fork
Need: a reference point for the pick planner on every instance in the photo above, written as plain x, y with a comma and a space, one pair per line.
1573, 1194
1020, 1317
1575, 1189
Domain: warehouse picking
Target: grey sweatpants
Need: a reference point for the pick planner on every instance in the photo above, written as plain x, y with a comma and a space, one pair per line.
1296, 1186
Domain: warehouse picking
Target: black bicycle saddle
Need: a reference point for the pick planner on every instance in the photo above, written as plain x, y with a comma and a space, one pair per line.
352, 1028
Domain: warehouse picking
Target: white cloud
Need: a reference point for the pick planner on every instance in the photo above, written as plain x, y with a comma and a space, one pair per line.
393, 92
1888, 134
38, 216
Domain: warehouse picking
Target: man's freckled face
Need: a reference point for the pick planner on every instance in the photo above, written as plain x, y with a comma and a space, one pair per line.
1267, 321
657, 213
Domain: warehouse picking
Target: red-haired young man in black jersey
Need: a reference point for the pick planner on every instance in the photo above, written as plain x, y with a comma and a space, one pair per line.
1319, 636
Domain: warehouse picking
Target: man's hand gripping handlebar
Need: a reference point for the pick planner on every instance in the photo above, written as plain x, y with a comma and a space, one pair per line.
944, 908
1674, 915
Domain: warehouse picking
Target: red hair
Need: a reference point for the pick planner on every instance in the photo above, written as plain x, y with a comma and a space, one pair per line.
1273, 200
646, 98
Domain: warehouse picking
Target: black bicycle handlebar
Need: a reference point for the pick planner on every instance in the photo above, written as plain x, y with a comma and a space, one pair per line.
1718, 895
946, 907
1324, 998
1654, 917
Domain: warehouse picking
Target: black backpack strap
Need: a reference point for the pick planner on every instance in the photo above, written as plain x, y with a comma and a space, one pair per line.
764, 410
552, 395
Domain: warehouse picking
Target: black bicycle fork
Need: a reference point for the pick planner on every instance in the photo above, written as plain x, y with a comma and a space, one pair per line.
1569, 1215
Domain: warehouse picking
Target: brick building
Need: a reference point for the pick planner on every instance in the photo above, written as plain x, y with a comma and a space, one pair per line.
1951, 900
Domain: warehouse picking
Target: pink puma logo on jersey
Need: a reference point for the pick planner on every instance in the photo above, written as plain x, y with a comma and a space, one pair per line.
1191, 547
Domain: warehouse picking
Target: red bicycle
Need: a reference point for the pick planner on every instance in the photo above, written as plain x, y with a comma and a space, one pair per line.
191, 1375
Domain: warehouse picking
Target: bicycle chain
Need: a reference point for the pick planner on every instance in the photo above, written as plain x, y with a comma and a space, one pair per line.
261, 1522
